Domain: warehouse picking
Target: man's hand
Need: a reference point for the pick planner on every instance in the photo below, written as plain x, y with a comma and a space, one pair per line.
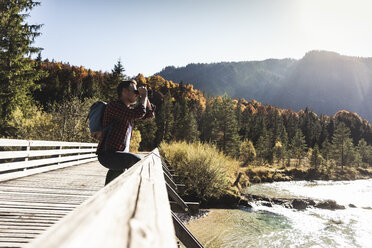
148, 105
142, 92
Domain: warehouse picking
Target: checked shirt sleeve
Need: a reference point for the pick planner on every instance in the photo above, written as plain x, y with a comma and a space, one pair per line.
122, 112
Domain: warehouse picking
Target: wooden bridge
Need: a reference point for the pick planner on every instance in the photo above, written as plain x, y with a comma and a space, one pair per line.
52, 195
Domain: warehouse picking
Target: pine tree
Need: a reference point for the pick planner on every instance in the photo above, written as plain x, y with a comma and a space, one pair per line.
117, 75
185, 122
326, 150
18, 71
148, 130
91, 87
310, 127
342, 145
56, 92
79, 89
225, 129
208, 123
191, 127
165, 120
264, 148
239, 114
363, 150
316, 157
67, 90
298, 146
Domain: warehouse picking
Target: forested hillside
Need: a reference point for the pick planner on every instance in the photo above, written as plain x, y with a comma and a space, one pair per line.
323, 81
270, 134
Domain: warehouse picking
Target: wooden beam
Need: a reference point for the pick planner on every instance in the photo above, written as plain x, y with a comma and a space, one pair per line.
169, 181
184, 235
173, 194
193, 207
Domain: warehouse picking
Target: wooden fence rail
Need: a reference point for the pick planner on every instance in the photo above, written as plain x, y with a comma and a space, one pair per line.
131, 211
37, 156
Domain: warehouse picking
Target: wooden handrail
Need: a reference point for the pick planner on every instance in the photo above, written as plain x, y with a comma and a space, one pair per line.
47, 156
43, 143
39, 153
131, 211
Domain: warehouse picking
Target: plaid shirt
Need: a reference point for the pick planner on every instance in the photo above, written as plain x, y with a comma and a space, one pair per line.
122, 116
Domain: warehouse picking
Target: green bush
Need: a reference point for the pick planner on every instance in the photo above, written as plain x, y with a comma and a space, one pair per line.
206, 172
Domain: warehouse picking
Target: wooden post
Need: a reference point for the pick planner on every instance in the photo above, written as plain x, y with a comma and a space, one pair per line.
60, 155
27, 149
79, 152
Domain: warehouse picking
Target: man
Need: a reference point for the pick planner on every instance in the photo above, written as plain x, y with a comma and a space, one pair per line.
119, 116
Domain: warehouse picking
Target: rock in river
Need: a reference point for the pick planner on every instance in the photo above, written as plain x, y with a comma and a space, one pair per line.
299, 204
329, 204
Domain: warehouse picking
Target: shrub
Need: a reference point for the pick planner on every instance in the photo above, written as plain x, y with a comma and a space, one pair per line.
247, 152
207, 173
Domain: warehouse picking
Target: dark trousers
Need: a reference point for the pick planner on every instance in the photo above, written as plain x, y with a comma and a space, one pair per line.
117, 163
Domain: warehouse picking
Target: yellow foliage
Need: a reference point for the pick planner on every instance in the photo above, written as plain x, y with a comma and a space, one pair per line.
207, 172
39, 125
135, 140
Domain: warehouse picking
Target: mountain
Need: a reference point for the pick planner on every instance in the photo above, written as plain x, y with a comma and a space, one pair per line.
323, 81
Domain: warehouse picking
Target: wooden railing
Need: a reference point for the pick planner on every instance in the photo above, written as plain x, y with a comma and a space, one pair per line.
20, 158
131, 211
134, 210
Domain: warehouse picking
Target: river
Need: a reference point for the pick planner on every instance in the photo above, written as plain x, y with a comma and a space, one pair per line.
277, 226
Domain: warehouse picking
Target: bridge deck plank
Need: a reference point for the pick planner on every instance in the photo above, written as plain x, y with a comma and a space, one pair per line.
29, 205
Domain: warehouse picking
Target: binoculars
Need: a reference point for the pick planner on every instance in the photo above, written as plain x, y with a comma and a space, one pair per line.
149, 92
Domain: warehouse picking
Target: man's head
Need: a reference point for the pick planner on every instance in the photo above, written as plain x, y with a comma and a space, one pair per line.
125, 91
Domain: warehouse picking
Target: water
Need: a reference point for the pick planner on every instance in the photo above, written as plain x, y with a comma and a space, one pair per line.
281, 227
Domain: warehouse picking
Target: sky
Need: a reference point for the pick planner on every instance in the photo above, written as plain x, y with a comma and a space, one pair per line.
148, 35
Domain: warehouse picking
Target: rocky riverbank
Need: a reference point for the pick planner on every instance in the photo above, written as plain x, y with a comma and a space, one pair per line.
274, 174
295, 203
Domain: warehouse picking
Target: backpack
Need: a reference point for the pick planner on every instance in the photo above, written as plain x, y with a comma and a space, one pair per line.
95, 117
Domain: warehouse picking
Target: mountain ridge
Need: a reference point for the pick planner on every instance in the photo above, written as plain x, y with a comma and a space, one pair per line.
322, 80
